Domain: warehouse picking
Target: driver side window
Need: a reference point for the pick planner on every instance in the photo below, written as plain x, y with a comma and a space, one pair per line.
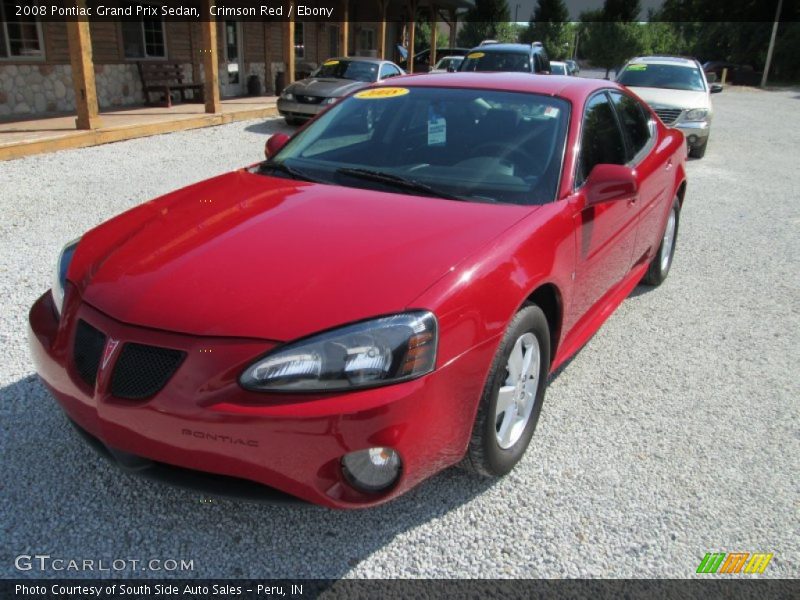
601, 139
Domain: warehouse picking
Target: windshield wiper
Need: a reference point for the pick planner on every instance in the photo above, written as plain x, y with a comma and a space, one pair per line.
291, 171
397, 181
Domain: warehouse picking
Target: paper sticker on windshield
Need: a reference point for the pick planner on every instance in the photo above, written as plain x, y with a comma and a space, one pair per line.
437, 129
330, 63
476, 55
551, 112
637, 67
382, 92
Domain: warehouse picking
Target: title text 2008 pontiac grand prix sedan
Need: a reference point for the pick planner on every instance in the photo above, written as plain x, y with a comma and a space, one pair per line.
382, 298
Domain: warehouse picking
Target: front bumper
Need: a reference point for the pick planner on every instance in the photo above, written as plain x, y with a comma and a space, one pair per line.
203, 420
299, 110
696, 132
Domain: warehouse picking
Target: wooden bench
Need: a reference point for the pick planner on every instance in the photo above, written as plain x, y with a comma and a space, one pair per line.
163, 78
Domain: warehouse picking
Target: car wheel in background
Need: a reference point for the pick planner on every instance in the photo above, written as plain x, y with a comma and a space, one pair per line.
698, 151
512, 399
292, 121
662, 261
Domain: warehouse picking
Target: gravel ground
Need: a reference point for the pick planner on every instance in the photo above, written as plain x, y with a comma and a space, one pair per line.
673, 433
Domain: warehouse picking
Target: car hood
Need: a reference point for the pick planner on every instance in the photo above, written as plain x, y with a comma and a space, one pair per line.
245, 255
664, 98
325, 87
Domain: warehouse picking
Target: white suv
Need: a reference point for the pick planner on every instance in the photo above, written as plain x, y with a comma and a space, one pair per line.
677, 90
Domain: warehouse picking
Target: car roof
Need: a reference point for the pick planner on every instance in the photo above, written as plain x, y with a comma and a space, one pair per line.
571, 88
558, 62
665, 60
520, 48
365, 59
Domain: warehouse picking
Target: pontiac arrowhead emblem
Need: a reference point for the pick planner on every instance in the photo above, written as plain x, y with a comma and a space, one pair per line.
108, 352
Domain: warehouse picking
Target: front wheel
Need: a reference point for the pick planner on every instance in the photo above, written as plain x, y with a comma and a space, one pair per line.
661, 263
698, 151
512, 399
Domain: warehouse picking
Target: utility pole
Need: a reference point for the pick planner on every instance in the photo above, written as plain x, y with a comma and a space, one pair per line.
771, 44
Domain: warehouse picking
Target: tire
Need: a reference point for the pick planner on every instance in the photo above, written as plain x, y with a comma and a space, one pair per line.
662, 261
292, 121
698, 151
495, 447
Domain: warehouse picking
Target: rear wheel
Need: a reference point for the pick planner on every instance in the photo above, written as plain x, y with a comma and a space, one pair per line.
512, 399
661, 263
293, 121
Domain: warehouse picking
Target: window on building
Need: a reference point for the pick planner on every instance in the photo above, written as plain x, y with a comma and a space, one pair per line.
299, 40
20, 36
333, 41
144, 38
366, 40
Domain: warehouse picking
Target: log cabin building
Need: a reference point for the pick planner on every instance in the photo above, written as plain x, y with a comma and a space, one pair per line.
46, 64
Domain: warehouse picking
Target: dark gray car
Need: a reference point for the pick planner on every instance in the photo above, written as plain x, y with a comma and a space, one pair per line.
336, 77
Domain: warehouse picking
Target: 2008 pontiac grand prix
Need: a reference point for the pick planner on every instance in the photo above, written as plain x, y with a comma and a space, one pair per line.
380, 299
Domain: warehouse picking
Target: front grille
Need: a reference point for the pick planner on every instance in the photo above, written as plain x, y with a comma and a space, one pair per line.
668, 115
309, 99
87, 352
141, 371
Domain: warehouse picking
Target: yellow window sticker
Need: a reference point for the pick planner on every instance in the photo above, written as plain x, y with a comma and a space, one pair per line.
330, 63
381, 92
476, 55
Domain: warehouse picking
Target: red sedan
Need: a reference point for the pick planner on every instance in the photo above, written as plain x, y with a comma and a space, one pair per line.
380, 299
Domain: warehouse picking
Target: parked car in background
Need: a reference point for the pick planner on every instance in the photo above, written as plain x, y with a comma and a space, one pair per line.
558, 67
677, 90
422, 60
336, 77
344, 320
525, 58
573, 67
736, 74
448, 64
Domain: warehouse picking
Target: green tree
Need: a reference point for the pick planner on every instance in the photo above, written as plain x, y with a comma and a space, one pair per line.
609, 36
488, 19
548, 24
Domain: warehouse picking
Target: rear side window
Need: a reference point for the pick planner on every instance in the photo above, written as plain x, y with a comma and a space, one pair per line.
601, 141
634, 122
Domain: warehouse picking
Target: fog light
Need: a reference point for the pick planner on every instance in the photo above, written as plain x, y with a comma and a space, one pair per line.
372, 470
692, 140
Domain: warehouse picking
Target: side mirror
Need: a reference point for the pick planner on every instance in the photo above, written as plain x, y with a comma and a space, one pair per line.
274, 144
715, 88
608, 183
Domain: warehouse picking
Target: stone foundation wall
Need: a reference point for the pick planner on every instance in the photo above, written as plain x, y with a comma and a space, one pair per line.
41, 89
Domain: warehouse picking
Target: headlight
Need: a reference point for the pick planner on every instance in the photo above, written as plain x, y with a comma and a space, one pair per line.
287, 96
367, 354
329, 100
60, 275
696, 114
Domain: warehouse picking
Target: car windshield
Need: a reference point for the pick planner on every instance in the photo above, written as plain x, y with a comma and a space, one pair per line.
497, 61
672, 77
465, 144
357, 70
